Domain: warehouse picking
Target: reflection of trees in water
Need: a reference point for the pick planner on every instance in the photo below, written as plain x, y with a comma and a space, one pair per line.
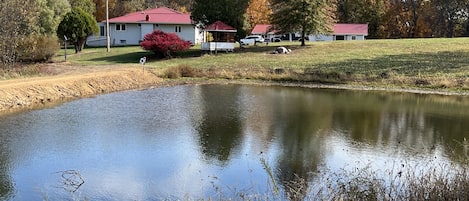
219, 128
454, 134
303, 119
407, 121
6, 185
300, 120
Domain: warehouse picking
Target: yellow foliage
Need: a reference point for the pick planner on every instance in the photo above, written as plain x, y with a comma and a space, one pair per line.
258, 12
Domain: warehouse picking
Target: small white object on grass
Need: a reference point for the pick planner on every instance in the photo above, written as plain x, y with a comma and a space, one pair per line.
282, 50
143, 60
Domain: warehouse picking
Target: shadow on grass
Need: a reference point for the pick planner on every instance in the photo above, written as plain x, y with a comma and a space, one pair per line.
134, 57
131, 57
268, 47
407, 64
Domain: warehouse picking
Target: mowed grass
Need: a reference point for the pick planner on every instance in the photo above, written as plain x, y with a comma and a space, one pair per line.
421, 63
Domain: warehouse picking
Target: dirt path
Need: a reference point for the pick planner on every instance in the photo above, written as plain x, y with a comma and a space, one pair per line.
71, 82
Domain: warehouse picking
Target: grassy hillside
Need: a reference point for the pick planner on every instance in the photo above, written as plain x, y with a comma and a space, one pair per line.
422, 63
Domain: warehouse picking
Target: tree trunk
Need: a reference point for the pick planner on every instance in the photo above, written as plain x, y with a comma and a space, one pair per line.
303, 35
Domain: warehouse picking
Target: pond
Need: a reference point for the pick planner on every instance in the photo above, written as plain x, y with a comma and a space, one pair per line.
222, 141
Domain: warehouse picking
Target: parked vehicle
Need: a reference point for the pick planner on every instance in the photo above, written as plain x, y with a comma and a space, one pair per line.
252, 40
276, 39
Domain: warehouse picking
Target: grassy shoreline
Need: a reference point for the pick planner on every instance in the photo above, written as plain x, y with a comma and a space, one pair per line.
429, 64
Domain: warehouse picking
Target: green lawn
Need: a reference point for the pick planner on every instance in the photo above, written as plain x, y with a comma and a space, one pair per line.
430, 63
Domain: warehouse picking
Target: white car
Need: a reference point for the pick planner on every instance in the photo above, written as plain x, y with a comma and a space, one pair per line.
252, 40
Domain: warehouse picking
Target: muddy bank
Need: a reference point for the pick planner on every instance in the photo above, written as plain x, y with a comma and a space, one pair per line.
30, 92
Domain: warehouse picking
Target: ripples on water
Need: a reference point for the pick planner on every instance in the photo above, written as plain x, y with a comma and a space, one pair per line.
215, 141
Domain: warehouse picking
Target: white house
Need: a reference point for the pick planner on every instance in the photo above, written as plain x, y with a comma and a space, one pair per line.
339, 32
131, 28
344, 32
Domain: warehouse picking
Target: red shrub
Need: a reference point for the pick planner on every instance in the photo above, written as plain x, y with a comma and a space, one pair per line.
164, 44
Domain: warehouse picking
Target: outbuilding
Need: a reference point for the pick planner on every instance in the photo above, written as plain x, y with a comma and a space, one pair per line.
343, 32
219, 37
339, 32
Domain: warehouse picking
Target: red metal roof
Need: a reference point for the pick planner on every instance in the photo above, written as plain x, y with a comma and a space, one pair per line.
351, 29
261, 29
339, 29
161, 15
220, 26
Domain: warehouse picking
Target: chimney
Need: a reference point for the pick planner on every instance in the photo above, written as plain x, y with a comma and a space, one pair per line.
147, 18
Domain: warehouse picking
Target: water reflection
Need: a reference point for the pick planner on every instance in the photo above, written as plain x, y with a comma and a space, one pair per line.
219, 128
204, 141
6, 185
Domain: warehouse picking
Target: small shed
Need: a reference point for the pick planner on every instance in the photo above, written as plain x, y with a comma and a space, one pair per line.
222, 37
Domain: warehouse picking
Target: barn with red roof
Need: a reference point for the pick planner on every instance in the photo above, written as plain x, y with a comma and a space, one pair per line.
130, 29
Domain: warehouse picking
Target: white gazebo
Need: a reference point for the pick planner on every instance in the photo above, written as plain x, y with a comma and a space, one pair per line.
223, 37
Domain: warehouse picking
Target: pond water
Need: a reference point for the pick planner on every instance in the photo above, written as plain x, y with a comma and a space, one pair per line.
220, 141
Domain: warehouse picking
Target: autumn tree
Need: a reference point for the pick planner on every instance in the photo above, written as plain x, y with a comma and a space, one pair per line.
304, 16
449, 13
231, 12
77, 26
100, 10
179, 5
16, 17
121, 7
258, 12
164, 44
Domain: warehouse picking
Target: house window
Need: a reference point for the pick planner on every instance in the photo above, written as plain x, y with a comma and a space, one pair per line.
354, 37
177, 29
123, 42
120, 27
155, 26
102, 30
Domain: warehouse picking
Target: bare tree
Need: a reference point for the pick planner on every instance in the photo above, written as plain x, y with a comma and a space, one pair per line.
16, 18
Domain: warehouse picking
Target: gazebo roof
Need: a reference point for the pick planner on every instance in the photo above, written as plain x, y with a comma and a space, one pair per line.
219, 26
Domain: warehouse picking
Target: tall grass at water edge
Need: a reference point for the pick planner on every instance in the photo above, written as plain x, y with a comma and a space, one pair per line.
396, 181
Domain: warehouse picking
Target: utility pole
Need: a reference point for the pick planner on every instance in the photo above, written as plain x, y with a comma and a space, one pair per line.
108, 37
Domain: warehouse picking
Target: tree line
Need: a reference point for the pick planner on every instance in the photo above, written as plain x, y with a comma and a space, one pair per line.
386, 18
29, 27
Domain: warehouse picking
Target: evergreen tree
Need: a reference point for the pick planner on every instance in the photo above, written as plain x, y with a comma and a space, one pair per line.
231, 12
304, 16
77, 25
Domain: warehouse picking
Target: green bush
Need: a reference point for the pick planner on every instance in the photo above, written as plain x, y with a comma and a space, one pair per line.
37, 48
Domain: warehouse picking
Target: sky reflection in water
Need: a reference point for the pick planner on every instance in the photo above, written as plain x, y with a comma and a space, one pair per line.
210, 140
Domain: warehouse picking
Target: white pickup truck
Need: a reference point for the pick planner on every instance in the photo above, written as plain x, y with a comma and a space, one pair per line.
252, 40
